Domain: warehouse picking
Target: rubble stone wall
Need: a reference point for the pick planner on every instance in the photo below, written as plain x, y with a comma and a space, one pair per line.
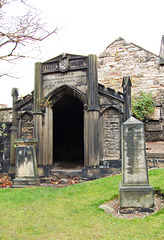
6, 115
121, 59
111, 135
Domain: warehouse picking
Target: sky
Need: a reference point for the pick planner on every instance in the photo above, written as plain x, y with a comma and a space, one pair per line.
86, 27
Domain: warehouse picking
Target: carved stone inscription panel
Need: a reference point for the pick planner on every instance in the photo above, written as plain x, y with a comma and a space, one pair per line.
55, 80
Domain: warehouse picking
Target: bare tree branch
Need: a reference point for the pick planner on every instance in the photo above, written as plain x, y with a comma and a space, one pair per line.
8, 75
4, 2
20, 32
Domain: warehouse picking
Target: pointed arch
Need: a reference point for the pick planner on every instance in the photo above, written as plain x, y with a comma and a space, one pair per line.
25, 125
26, 113
114, 107
111, 120
58, 93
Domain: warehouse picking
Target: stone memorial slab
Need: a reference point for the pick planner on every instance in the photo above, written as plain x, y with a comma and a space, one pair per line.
135, 190
55, 80
26, 165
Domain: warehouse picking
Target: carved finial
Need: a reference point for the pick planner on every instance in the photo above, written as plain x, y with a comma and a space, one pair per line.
14, 92
63, 55
126, 81
161, 53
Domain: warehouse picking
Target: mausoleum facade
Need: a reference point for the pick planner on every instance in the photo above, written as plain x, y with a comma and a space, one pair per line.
76, 120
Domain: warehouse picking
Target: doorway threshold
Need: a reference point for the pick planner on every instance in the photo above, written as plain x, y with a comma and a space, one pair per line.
67, 172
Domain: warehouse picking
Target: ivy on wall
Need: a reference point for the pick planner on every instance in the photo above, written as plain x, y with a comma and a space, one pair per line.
143, 105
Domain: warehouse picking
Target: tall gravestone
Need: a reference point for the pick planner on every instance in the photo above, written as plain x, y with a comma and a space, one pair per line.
135, 190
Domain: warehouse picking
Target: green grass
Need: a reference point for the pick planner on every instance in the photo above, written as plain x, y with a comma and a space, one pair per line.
72, 212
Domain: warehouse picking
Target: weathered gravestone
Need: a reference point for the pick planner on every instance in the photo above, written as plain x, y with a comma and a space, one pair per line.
135, 190
26, 165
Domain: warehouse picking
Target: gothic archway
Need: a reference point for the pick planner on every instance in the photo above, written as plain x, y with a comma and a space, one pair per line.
60, 92
68, 129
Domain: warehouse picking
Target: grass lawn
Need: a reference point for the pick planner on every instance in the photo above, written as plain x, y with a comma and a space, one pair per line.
72, 212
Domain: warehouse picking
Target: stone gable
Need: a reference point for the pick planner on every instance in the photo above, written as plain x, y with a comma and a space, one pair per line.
146, 71
127, 59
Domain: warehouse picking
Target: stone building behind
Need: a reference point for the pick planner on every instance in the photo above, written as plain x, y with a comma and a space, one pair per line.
146, 71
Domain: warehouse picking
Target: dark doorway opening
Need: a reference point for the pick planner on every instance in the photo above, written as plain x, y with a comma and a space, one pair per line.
68, 133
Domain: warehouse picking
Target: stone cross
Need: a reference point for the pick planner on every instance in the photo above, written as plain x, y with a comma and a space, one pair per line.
135, 190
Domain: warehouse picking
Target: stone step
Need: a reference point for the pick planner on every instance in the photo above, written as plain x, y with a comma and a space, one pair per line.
66, 172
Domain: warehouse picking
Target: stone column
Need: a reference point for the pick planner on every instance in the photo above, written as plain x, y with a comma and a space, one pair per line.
92, 83
126, 84
161, 53
37, 113
48, 138
26, 165
135, 190
91, 170
37, 87
93, 112
14, 129
93, 138
101, 139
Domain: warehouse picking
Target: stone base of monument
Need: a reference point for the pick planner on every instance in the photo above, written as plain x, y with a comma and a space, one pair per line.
20, 182
26, 165
136, 196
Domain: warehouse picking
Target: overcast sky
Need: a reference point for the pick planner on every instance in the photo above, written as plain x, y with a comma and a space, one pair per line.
88, 27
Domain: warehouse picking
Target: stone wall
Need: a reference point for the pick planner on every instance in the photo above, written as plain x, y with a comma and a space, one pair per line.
111, 135
155, 160
146, 72
26, 126
5, 115
121, 59
5, 147
6, 119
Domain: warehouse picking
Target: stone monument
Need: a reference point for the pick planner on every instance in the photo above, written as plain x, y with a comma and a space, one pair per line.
26, 165
134, 189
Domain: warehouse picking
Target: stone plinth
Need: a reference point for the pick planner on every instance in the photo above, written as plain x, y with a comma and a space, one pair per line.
135, 190
26, 165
